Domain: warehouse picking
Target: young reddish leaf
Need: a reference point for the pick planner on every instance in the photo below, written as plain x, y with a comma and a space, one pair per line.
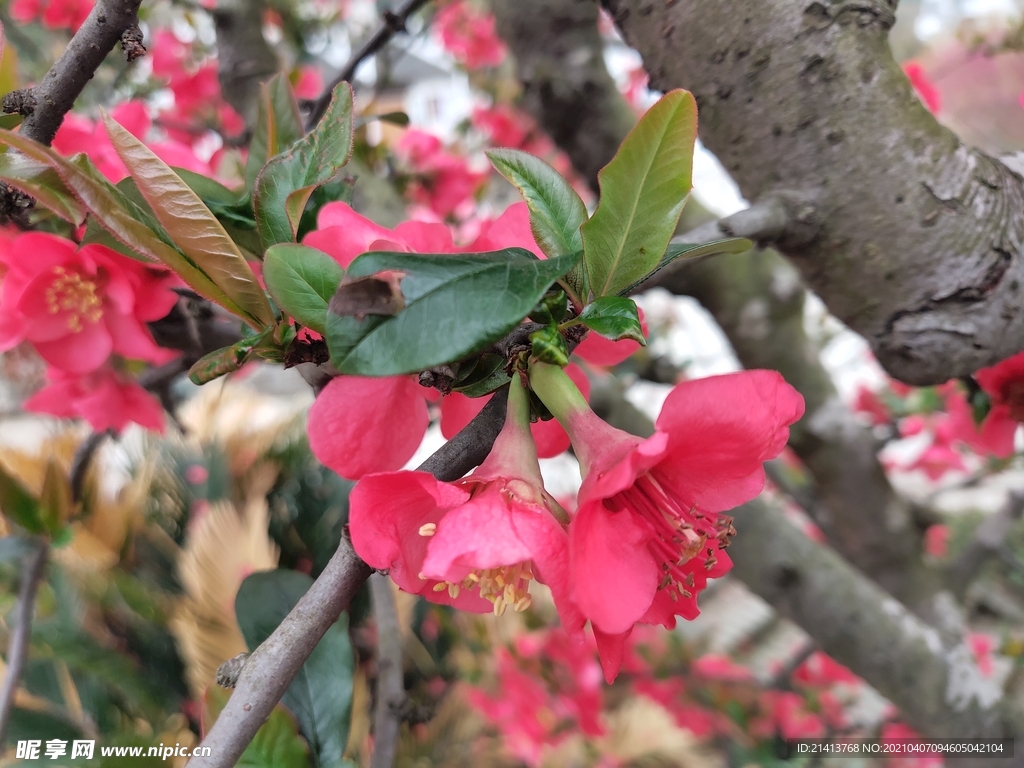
643, 190
556, 211
278, 126
43, 184
191, 225
286, 182
118, 215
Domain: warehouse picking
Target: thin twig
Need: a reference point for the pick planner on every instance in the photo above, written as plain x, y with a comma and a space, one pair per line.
387, 718
56, 93
271, 668
394, 21
82, 461
17, 648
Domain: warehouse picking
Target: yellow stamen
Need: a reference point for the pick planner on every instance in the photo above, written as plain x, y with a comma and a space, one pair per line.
428, 529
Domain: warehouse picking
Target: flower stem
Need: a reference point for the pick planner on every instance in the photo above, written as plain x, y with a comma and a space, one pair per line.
556, 390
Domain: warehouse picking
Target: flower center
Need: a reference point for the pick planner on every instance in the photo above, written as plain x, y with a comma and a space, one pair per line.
681, 536
70, 293
508, 585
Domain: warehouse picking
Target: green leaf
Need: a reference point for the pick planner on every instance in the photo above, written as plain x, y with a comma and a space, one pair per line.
556, 211
614, 317
276, 744
454, 305
320, 696
227, 360
643, 190
17, 504
278, 126
549, 346
693, 251
191, 225
486, 375
288, 179
302, 281
42, 183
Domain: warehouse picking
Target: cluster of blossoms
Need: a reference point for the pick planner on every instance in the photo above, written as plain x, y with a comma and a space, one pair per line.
54, 14
84, 310
469, 35
951, 418
648, 530
549, 686
439, 181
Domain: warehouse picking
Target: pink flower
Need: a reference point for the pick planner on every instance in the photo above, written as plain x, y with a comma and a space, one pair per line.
869, 403
475, 543
80, 134
897, 732
671, 694
309, 83
649, 531
457, 411
504, 126
821, 670
469, 35
77, 306
993, 437
788, 712
357, 425
360, 425
104, 398
982, 646
713, 666
56, 14
443, 182
936, 540
924, 86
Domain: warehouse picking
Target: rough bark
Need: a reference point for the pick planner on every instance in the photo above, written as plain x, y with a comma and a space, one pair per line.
756, 297
56, 94
915, 240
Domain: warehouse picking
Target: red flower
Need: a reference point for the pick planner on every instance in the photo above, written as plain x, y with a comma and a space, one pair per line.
936, 540
444, 181
469, 36
77, 307
923, 85
476, 543
56, 14
870, 404
648, 532
104, 398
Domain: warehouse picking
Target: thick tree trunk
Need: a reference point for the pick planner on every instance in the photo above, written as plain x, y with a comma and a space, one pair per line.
911, 238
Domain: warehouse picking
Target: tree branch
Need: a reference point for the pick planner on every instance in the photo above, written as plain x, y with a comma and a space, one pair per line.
270, 669
394, 22
17, 648
387, 718
55, 95
920, 239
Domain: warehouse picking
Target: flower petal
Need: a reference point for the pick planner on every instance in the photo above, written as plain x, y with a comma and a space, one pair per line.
721, 430
360, 425
614, 575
